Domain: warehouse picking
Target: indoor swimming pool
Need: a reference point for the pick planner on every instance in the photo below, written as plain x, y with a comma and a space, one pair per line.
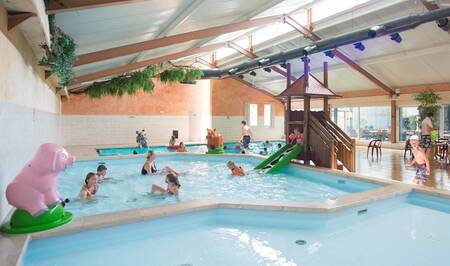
407, 230
202, 176
254, 148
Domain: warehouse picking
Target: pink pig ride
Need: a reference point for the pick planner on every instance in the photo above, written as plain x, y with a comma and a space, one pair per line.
35, 187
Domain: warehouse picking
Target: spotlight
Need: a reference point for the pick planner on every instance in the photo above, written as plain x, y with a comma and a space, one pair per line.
253, 73
330, 54
396, 37
359, 46
233, 70
241, 76
443, 24
375, 30
305, 58
267, 69
263, 61
283, 65
307, 50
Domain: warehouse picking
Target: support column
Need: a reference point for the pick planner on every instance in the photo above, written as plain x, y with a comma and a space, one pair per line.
287, 111
326, 108
307, 108
393, 121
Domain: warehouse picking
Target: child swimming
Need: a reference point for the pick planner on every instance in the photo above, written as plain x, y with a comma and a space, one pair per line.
235, 170
101, 173
421, 161
90, 187
173, 185
149, 165
182, 148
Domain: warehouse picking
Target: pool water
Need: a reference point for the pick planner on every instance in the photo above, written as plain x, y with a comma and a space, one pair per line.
393, 232
254, 148
202, 176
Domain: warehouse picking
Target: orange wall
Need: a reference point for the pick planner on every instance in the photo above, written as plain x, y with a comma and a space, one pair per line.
228, 98
176, 99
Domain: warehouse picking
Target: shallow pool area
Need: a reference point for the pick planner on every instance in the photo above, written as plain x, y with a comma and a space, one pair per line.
202, 176
254, 148
405, 230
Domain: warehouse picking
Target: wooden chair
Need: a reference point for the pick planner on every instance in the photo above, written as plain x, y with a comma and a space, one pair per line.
408, 147
443, 151
374, 145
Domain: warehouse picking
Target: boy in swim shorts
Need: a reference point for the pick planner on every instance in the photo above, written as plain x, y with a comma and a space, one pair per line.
421, 161
235, 170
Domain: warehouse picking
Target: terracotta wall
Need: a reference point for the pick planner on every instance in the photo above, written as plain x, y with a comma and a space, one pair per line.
176, 99
228, 98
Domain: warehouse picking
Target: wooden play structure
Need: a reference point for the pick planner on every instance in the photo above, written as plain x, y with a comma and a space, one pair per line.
325, 144
214, 142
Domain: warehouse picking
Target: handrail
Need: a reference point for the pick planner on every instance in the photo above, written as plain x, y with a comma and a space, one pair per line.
340, 134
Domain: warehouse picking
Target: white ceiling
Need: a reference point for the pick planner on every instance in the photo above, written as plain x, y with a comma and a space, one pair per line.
421, 58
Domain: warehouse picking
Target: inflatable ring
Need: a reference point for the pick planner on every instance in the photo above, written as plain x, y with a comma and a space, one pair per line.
173, 147
215, 151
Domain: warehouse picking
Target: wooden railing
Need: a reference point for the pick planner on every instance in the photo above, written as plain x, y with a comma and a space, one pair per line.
344, 145
322, 144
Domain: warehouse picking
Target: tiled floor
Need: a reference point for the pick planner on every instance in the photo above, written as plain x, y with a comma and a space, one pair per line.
391, 165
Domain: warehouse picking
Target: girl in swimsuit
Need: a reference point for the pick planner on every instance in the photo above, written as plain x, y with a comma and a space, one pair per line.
90, 187
173, 185
149, 165
182, 148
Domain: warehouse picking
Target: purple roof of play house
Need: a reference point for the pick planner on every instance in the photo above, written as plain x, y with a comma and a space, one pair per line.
313, 87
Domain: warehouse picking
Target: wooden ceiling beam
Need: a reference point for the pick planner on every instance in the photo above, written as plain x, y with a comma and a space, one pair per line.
314, 37
59, 6
15, 18
145, 63
174, 39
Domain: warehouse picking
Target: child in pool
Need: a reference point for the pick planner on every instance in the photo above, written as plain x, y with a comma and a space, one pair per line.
421, 161
235, 170
264, 151
149, 165
101, 173
173, 185
182, 148
90, 187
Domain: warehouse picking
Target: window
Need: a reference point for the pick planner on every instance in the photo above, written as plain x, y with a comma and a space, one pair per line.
446, 119
253, 114
267, 115
364, 123
409, 122
347, 119
375, 123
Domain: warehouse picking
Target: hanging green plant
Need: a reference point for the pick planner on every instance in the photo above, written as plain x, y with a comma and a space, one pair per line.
60, 56
128, 83
428, 103
180, 74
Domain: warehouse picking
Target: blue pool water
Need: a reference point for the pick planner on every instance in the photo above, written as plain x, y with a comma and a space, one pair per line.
254, 148
202, 176
393, 232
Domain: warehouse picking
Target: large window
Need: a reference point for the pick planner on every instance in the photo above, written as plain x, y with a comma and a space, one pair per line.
409, 122
446, 126
253, 114
347, 119
364, 123
267, 115
375, 123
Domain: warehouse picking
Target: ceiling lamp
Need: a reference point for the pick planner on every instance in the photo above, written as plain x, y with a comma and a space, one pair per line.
360, 46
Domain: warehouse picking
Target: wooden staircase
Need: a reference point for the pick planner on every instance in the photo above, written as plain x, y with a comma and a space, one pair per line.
329, 145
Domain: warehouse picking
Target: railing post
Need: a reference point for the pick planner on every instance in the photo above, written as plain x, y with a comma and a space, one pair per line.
333, 162
353, 158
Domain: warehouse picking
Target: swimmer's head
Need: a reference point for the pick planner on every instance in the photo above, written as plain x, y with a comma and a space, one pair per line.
230, 164
171, 178
101, 169
414, 140
91, 178
150, 154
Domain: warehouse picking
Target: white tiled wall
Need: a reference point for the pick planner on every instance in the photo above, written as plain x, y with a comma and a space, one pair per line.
22, 130
117, 129
230, 128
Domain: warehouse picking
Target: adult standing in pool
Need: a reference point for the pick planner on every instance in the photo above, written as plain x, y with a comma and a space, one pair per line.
246, 134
